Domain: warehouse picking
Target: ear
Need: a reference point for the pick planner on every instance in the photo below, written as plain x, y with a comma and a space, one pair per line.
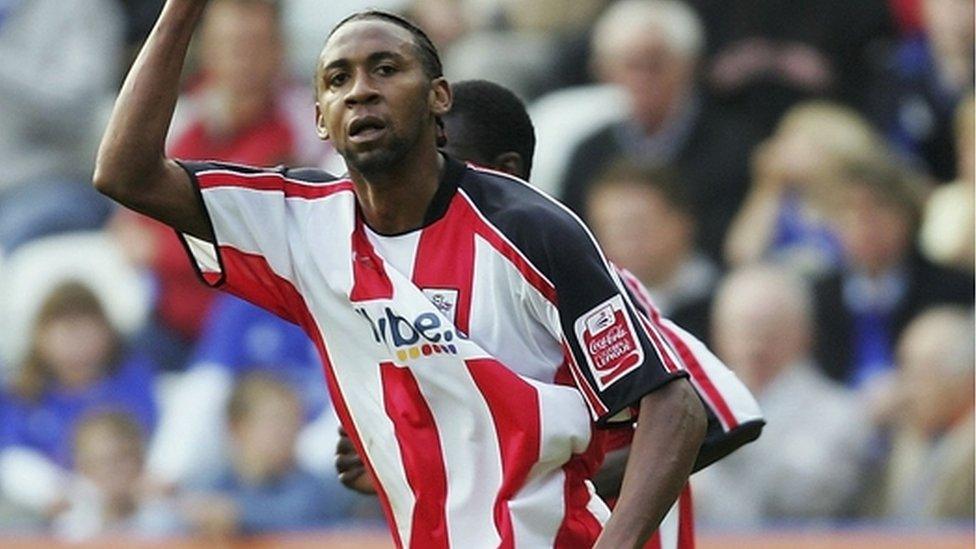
511, 163
441, 97
320, 129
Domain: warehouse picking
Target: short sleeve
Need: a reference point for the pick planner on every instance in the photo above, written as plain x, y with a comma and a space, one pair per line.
247, 208
614, 354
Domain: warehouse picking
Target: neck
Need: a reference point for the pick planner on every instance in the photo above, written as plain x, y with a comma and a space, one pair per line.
396, 200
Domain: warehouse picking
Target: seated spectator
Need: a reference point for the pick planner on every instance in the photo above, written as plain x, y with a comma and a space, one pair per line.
948, 233
238, 338
929, 474
244, 109
51, 106
793, 173
264, 490
808, 463
924, 78
651, 49
108, 495
884, 281
644, 222
76, 364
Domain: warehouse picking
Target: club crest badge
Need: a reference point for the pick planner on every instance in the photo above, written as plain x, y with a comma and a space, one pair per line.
445, 299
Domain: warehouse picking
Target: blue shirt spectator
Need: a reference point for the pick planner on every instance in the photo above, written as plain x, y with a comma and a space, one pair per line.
47, 424
242, 337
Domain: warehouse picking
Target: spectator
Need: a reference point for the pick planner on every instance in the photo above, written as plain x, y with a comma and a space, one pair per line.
76, 364
924, 79
808, 463
264, 490
108, 495
764, 56
929, 475
651, 49
238, 338
947, 234
59, 62
644, 221
884, 281
794, 172
243, 110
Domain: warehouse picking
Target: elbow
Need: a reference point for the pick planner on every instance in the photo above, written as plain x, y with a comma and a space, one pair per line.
106, 180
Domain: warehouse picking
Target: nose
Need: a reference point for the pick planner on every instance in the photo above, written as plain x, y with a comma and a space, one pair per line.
362, 91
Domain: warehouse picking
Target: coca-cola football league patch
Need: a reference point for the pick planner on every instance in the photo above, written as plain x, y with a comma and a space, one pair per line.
609, 342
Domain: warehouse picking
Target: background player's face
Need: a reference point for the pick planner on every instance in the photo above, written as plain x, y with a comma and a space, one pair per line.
374, 100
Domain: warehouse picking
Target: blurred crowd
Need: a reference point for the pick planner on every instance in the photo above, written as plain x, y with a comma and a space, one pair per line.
793, 181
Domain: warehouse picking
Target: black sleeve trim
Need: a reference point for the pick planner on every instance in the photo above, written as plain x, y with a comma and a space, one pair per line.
195, 183
607, 420
719, 443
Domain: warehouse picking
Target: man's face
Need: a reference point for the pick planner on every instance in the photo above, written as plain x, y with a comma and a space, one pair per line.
875, 234
374, 100
654, 77
618, 214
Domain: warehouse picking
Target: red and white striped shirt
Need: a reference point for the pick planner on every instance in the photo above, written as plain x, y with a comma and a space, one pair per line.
472, 361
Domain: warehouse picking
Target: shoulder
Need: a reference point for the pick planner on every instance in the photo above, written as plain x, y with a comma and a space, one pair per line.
210, 173
523, 213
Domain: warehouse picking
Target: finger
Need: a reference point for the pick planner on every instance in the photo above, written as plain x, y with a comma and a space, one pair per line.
347, 462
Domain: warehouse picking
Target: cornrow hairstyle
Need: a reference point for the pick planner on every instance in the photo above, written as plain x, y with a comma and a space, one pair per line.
429, 56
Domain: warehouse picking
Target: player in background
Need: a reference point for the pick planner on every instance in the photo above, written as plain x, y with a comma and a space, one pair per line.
305, 246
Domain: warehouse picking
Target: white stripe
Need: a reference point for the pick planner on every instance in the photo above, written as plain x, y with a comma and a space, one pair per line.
565, 430
471, 455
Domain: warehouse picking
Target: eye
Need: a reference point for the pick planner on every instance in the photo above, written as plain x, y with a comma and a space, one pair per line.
386, 69
338, 79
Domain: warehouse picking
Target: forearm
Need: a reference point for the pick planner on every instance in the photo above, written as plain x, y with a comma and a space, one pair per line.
132, 149
670, 429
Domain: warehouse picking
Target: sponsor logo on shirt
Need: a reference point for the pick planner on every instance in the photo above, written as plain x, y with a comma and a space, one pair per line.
422, 336
609, 342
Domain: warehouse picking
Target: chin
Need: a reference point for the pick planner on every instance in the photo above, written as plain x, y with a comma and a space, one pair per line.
376, 161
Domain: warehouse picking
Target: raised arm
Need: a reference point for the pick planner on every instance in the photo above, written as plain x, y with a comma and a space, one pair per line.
131, 167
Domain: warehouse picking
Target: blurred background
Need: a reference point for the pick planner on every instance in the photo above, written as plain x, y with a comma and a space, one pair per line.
791, 179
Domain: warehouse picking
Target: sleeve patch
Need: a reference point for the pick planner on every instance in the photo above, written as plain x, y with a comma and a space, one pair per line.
610, 343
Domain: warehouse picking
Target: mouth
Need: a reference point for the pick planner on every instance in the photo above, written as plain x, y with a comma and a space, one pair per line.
366, 128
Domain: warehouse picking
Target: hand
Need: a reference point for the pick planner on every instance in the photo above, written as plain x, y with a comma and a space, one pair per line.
352, 472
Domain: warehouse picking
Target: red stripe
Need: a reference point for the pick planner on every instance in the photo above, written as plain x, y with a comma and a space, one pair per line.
698, 374
686, 519
497, 240
445, 258
659, 346
579, 527
580, 381
518, 436
655, 541
272, 182
421, 453
368, 274
284, 294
